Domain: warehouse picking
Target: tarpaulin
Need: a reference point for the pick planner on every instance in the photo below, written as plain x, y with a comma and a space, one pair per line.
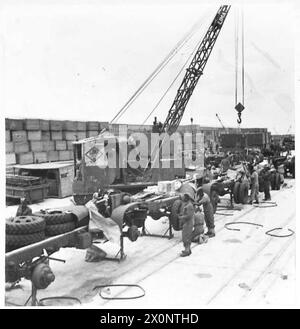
109, 227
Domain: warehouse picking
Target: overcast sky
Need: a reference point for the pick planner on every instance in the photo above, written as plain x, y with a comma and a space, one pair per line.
67, 60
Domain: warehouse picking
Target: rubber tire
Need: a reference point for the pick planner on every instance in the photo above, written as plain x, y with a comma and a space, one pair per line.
175, 222
14, 241
277, 181
52, 230
24, 225
56, 218
236, 190
243, 193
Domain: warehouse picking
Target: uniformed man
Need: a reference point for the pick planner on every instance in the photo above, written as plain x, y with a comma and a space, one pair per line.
254, 185
187, 218
23, 209
204, 200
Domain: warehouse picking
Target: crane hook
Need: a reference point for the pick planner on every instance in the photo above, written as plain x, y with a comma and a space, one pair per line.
239, 120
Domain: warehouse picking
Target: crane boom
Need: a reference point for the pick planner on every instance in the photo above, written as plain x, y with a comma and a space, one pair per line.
193, 72
220, 121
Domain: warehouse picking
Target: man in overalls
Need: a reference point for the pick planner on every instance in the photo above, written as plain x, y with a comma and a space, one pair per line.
204, 200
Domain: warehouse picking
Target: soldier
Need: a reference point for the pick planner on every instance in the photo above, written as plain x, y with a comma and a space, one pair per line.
204, 200
254, 184
187, 218
266, 177
23, 209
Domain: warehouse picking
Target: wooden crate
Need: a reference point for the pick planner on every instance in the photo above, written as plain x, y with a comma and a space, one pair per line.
19, 136
24, 158
69, 135
81, 126
65, 155
36, 146
70, 125
48, 146
9, 147
40, 157
45, 125
32, 124
93, 125
69, 145
22, 147
46, 136
91, 133
34, 135
32, 193
66, 176
7, 135
56, 135
60, 145
53, 156
81, 134
56, 125
10, 159
14, 124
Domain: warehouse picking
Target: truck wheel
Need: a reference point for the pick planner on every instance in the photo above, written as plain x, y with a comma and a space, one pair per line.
176, 207
236, 189
52, 230
56, 217
24, 225
14, 241
243, 193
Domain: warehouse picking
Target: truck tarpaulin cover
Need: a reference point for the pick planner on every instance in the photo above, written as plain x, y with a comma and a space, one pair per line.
95, 154
97, 222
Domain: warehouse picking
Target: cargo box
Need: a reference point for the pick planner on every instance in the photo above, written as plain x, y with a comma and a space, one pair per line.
22, 147
19, 136
34, 135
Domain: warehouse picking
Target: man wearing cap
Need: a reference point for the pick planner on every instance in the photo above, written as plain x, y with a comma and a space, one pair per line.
187, 218
254, 184
266, 176
204, 200
23, 209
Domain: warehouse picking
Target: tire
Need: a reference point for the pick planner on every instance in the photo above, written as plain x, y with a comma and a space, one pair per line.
277, 181
52, 230
175, 210
58, 217
214, 198
24, 225
243, 193
14, 241
236, 189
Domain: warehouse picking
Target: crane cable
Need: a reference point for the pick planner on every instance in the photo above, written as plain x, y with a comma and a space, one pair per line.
157, 70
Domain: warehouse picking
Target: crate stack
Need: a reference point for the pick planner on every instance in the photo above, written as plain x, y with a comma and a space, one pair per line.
36, 141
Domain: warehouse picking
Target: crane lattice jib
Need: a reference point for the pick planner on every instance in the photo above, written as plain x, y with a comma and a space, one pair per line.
194, 71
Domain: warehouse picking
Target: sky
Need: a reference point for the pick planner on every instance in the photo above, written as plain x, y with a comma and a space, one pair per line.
78, 60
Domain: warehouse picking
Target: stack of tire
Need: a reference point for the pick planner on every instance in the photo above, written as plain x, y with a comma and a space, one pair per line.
240, 192
24, 230
57, 222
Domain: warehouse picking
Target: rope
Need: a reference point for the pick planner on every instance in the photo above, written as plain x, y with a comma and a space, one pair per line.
121, 285
243, 61
280, 236
40, 303
237, 229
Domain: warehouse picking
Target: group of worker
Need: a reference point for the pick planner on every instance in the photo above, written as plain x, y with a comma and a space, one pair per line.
193, 219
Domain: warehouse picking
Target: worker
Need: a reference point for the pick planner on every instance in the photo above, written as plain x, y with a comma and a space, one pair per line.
23, 209
225, 164
254, 184
204, 200
266, 178
186, 217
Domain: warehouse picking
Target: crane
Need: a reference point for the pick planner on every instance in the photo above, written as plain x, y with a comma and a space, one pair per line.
220, 121
194, 72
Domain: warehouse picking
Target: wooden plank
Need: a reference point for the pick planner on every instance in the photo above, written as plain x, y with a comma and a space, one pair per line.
60, 145
56, 135
14, 124
40, 157
9, 147
34, 135
19, 136
10, 158
22, 147
36, 146
24, 158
